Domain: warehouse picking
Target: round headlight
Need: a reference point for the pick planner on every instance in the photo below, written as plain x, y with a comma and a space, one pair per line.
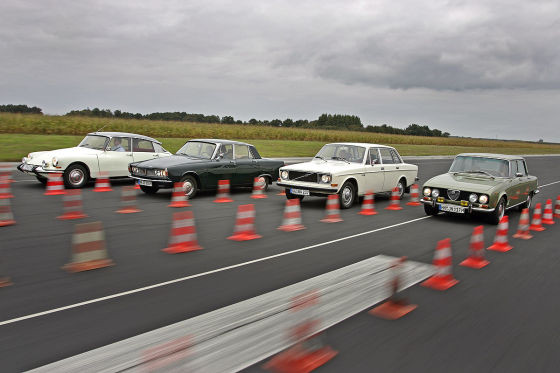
427, 191
326, 178
483, 199
435, 193
473, 197
54, 161
284, 175
23, 160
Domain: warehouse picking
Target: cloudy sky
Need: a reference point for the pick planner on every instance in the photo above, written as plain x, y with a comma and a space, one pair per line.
472, 68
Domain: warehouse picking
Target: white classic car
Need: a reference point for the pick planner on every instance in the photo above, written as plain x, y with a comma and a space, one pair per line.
349, 170
109, 152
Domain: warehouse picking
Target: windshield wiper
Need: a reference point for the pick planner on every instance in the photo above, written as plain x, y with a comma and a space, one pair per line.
475, 172
341, 159
321, 158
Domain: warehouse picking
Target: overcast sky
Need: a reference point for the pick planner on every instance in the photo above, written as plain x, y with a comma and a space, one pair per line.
472, 68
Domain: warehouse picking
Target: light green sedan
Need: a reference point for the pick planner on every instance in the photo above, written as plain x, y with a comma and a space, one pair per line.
481, 183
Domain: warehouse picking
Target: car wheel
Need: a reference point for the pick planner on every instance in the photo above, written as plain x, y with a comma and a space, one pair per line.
347, 195
430, 210
401, 186
499, 211
266, 183
42, 180
189, 186
527, 204
292, 196
149, 189
75, 176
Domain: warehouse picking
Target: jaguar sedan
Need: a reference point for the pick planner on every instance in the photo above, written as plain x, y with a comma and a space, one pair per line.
201, 163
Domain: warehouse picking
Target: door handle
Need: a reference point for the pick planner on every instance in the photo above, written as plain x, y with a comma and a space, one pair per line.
397, 168
382, 168
129, 155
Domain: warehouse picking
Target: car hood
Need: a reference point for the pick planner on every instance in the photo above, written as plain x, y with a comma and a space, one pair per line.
469, 183
173, 160
320, 166
75, 152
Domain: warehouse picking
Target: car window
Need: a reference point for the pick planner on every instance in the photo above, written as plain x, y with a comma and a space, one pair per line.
227, 151
254, 153
396, 158
492, 166
145, 146
373, 156
197, 149
241, 152
119, 144
512, 168
94, 142
521, 167
348, 153
386, 156
158, 148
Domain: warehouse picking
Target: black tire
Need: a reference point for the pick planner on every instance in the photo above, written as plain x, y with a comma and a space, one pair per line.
347, 195
498, 213
42, 180
527, 204
149, 189
292, 196
401, 185
267, 183
190, 186
75, 176
430, 210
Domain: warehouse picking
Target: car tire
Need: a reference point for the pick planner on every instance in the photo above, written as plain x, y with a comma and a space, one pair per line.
75, 176
430, 210
527, 204
498, 212
42, 180
401, 185
267, 183
293, 196
190, 186
347, 195
149, 189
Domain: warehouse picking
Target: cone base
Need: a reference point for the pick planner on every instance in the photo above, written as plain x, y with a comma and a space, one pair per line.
244, 237
438, 283
537, 228
394, 208
258, 196
184, 248
368, 212
474, 263
222, 200
413, 204
87, 266
523, 236
54, 193
128, 210
5, 223
281, 194
331, 220
557, 215
392, 310
102, 190
137, 187
502, 248
179, 204
291, 228
72, 215
297, 360
6, 196
549, 222
5, 281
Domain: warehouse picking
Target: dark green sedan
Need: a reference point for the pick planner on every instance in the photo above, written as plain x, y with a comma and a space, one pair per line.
201, 163
482, 183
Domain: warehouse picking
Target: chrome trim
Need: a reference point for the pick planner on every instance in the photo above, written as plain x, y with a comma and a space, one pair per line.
467, 207
152, 180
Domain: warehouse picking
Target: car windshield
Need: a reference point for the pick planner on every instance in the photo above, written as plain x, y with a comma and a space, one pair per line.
341, 152
94, 142
197, 149
481, 166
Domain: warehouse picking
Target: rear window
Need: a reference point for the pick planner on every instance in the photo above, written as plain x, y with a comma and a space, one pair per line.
142, 146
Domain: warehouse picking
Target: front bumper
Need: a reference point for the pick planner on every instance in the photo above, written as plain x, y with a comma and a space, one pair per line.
38, 171
313, 190
470, 208
164, 184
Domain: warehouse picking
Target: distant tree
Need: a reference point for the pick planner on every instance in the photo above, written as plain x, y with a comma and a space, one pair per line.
228, 119
20, 109
276, 123
288, 123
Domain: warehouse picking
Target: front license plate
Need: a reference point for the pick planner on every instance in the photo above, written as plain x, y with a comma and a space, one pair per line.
452, 208
145, 182
27, 167
299, 192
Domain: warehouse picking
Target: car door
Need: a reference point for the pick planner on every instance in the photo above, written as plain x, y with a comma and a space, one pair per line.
512, 185
116, 157
225, 166
524, 180
143, 150
374, 175
389, 169
245, 169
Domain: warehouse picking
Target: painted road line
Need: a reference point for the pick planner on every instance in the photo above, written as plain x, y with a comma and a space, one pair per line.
545, 185
237, 336
165, 283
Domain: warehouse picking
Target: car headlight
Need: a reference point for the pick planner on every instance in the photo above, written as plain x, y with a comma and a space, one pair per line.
326, 179
45, 164
435, 193
161, 173
24, 160
54, 162
284, 175
473, 197
483, 199
427, 191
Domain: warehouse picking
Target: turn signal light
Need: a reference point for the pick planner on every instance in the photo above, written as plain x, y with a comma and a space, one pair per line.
334, 185
464, 203
440, 199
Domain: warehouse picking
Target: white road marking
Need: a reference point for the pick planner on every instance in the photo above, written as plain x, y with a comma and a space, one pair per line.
138, 290
545, 185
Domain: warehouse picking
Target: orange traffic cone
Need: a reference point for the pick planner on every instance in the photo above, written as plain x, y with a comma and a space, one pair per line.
414, 196
557, 208
443, 279
536, 224
548, 218
394, 308
183, 234
282, 193
476, 258
258, 188
501, 239
72, 205
6, 216
395, 201
245, 224
178, 197
5, 187
332, 210
368, 205
223, 192
128, 200
137, 186
88, 248
102, 183
6, 170
55, 184
292, 216
523, 231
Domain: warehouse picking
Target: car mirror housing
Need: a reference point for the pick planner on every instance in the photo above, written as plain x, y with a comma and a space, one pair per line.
518, 174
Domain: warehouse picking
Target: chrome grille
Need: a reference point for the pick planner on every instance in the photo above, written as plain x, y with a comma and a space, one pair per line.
453, 194
303, 176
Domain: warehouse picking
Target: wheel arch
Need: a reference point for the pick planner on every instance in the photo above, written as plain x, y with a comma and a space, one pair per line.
88, 170
196, 177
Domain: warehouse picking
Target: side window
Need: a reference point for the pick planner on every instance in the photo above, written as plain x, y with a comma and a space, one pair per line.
373, 156
521, 167
119, 144
158, 148
254, 153
386, 156
241, 151
512, 168
227, 151
140, 145
396, 158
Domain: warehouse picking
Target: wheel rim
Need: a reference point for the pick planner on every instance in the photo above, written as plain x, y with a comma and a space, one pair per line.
76, 176
346, 196
529, 200
188, 188
501, 209
400, 186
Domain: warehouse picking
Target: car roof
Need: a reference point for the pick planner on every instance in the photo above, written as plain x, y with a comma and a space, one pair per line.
125, 134
365, 144
221, 141
491, 155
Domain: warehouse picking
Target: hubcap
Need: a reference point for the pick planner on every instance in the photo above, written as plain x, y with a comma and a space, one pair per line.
76, 176
401, 189
529, 202
188, 188
346, 196
501, 209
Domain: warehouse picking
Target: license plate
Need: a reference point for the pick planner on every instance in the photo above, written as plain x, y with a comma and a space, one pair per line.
145, 182
27, 167
299, 192
452, 208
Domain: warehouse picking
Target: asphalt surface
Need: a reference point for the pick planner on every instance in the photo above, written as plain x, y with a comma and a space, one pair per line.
500, 318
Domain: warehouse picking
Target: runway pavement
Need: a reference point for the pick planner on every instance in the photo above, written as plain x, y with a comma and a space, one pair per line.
501, 318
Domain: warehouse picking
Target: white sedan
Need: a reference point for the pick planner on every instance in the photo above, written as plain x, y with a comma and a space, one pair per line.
349, 170
108, 152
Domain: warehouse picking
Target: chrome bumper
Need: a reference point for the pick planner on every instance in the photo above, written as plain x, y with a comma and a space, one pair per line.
311, 189
469, 208
37, 170
158, 182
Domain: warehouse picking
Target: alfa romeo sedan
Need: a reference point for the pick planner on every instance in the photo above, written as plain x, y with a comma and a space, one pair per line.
349, 170
201, 163
110, 152
482, 183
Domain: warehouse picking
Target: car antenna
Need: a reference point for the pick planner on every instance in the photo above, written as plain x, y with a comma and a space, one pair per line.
102, 127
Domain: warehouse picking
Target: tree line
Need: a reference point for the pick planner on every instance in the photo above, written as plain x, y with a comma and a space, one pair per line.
22, 109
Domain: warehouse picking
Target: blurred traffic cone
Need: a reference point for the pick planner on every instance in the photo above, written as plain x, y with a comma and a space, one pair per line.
292, 216
5, 187
258, 188
72, 201
6, 216
395, 200
245, 224
223, 192
523, 228
282, 193
501, 239
128, 200
526, 192
332, 214
557, 208
414, 196
548, 218
443, 279
6, 170
536, 222
55, 184
368, 205
137, 186
476, 258
88, 248
178, 197
5, 281
102, 183
395, 307
183, 234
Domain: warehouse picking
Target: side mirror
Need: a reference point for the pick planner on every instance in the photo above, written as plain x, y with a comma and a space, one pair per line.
519, 174
220, 156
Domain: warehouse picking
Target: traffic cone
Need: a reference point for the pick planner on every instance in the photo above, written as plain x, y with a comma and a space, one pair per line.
137, 186
6, 216
223, 192
72, 201
128, 200
332, 210
548, 218
394, 308
282, 193
258, 188
88, 248
178, 197
5, 281
55, 184
5, 187
102, 183
183, 234
368, 205
557, 208
501, 239
414, 196
476, 258
536, 224
292, 216
443, 279
6, 171
245, 224
523, 231
395, 201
